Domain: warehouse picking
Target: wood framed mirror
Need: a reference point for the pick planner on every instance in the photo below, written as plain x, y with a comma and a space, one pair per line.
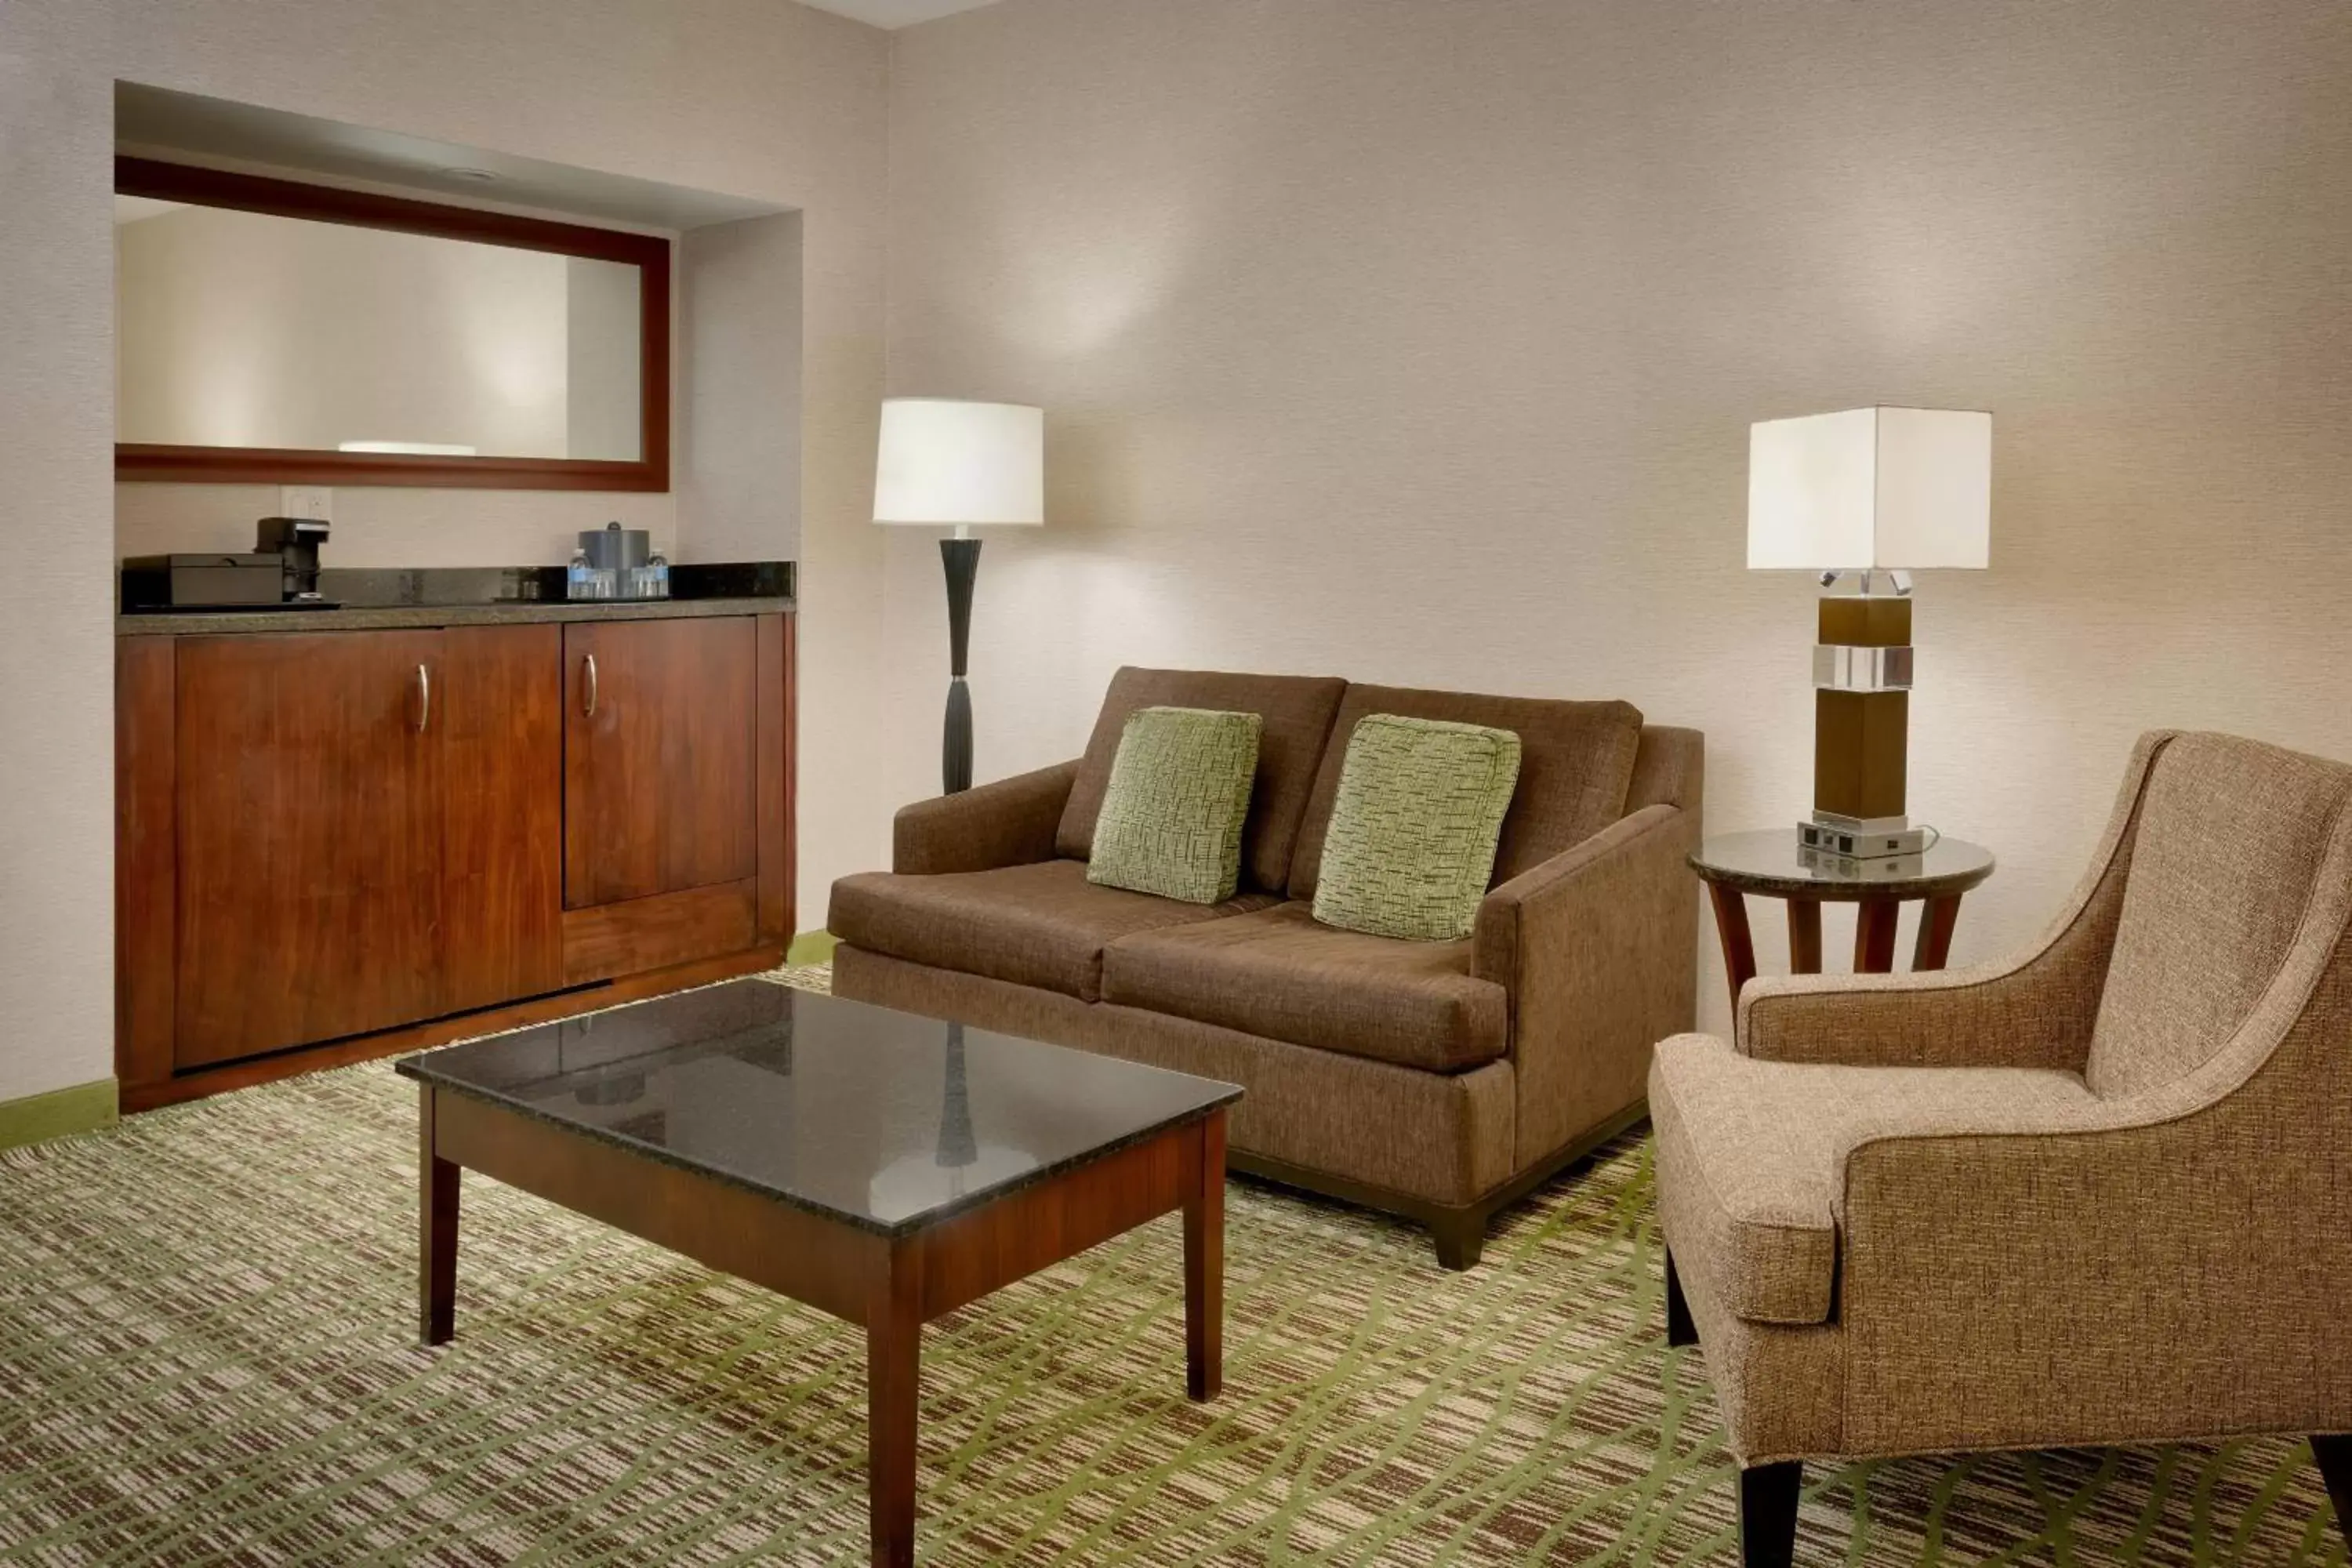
269, 331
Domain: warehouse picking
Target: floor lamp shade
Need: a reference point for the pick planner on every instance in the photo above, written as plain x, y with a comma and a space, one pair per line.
1869, 492
963, 465
947, 463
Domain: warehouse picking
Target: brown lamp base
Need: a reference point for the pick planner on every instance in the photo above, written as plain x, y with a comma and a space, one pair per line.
1862, 720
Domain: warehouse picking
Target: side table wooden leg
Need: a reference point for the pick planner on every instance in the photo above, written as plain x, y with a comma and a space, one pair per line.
1873, 935
436, 1236
1204, 1264
894, 1332
1804, 936
1937, 920
1738, 946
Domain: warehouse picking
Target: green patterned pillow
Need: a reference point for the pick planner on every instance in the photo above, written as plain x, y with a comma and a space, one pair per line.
1179, 791
1413, 827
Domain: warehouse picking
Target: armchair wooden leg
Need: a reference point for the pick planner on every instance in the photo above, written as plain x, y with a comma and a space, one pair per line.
2335, 1456
1768, 1514
1461, 1238
1680, 1330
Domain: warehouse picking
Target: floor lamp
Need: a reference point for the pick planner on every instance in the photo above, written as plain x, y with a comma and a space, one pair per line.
946, 463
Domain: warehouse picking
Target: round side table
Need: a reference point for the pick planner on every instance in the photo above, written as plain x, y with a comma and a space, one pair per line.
1772, 865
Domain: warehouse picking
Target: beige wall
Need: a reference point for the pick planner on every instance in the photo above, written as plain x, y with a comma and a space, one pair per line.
1418, 342
756, 98
741, 441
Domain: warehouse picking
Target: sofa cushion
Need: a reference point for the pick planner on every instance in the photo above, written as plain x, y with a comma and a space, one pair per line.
1576, 759
1042, 924
1752, 1158
1171, 819
1297, 713
1279, 974
1411, 840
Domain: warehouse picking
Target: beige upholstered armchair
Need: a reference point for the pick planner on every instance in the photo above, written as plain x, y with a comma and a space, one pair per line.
2099, 1194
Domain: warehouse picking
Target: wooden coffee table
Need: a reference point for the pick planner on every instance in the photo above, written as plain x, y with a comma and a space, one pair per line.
879, 1166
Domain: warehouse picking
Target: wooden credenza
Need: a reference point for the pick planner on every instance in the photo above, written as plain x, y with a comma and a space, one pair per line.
331, 845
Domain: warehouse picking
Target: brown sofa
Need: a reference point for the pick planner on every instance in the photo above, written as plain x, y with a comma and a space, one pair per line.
1437, 1080
2097, 1193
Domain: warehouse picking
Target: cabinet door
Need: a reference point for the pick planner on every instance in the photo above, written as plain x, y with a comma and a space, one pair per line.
660, 757
499, 691
309, 812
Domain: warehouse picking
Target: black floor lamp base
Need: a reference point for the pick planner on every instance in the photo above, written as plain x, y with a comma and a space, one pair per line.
961, 558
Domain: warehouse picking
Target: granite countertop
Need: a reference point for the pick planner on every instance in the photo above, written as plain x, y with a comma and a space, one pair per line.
380, 599
389, 617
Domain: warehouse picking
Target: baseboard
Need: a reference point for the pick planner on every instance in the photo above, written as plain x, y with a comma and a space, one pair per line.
812, 947
38, 1118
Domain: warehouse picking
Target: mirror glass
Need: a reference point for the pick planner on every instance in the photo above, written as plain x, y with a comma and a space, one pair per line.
239, 329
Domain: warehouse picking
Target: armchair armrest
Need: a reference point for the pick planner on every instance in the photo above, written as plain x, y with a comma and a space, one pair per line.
2035, 1009
1597, 949
2140, 1268
1008, 823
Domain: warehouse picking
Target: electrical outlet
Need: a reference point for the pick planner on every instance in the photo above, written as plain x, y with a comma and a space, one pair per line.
305, 501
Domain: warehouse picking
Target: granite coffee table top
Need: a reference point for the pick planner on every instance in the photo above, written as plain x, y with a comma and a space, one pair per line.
882, 1121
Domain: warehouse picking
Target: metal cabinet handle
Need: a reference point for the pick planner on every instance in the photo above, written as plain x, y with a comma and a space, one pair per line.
423, 698
588, 682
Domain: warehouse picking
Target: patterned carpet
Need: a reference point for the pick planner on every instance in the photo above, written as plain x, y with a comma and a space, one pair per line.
207, 1354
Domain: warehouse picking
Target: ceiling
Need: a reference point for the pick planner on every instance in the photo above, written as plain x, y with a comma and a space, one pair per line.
896, 12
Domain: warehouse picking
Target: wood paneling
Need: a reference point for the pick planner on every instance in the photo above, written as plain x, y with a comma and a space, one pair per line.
650, 254
308, 823
668, 928
196, 1085
660, 755
146, 913
775, 784
304, 878
1012, 1237
724, 1227
501, 694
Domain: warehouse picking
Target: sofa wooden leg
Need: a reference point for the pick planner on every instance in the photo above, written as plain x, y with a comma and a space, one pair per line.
1461, 1238
2335, 1456
1768, 1514
1680, 1330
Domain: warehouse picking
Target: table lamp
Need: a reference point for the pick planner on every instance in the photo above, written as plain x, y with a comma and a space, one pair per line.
1867, 492
963, 465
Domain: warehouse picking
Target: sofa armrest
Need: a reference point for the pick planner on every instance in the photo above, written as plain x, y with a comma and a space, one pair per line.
1008, 823
1597, 949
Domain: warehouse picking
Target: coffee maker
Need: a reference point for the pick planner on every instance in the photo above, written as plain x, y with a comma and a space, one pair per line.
295, 541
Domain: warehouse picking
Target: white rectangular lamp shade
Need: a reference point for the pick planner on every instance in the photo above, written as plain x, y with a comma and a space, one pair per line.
1871, 489
945, 461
